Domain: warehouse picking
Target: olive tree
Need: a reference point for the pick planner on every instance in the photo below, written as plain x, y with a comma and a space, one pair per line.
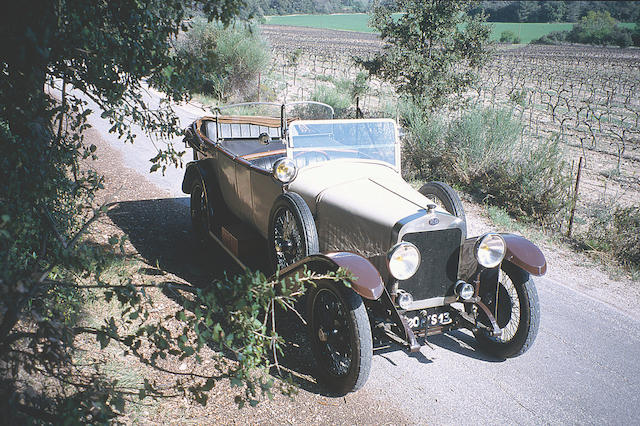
432, 51
104, 50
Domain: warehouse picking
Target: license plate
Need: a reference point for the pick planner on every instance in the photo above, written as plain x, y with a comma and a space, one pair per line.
433, 318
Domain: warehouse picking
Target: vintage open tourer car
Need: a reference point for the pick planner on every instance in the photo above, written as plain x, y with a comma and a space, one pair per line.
325, 193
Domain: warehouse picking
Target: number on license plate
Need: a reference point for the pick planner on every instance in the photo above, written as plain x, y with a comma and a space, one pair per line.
429, 320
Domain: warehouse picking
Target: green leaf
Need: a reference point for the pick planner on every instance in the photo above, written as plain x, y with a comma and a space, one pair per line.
103, 339
117, 402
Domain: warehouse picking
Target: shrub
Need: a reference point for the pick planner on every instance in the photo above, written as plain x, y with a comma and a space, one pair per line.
626, 236
509, 36
601, 29
333, 96
635, 35
480, 152
480, 139
554, 37
229, 58
533, 186
621, 37
615, 230
594, 28
519, 97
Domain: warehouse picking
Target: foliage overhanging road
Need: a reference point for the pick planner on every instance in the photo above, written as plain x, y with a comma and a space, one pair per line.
582, 369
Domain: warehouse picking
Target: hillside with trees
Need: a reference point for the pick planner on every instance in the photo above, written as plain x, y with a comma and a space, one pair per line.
554, 11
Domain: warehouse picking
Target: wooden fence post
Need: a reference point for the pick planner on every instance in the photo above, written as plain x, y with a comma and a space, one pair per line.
575, 198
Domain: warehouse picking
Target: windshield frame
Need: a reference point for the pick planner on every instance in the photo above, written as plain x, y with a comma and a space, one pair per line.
396, 139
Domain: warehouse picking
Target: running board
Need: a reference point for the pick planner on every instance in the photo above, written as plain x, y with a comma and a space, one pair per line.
229, 252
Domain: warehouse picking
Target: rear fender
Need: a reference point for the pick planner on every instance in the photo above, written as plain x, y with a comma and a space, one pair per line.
192, 172
520, 251
201, 169
366, 281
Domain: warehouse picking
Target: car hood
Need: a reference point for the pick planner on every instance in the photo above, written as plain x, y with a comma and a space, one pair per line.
358, 205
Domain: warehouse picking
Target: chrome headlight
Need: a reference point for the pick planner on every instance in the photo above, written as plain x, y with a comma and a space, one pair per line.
490, 250
285, 170
403, 260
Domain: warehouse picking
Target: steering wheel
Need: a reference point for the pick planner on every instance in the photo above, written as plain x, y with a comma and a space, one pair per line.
313, 154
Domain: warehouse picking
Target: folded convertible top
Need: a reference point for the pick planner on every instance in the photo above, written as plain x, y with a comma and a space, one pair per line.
257, 120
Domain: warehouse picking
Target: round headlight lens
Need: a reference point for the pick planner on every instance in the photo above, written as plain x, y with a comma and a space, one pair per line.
464, 290
404, 299
285, 170
404, 260
490, 250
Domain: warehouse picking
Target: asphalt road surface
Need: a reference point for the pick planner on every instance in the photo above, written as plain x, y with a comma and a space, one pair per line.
582, 369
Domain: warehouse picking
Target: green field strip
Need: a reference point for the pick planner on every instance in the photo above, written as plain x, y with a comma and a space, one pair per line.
359, 22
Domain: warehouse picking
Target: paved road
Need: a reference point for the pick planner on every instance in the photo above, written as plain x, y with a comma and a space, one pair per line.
583, 368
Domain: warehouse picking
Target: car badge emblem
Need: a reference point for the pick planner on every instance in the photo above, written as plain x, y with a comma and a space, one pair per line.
434, 221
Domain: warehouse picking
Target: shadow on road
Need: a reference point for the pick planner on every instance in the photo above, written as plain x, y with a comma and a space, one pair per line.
462, 343
160, 230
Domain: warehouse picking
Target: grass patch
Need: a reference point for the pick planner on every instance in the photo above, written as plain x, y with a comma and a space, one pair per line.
502, 220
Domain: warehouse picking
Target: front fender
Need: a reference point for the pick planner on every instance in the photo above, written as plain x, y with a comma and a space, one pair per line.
523, 253
367, 281
520, 251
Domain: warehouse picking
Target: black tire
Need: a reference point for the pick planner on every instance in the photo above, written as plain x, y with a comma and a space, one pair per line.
446, 197
340, 335
207, 209
292, 231
518, 311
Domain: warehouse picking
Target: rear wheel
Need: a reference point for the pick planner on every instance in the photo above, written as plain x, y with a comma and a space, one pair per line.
292, 231
512, 298
199, 210
442, 195
340, 336
207, 210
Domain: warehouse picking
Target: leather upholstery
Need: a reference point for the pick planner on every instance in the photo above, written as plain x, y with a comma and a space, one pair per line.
266, 162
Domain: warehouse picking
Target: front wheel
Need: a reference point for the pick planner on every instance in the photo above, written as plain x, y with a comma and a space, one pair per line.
443, 196
292, 231
512, 298
340, 336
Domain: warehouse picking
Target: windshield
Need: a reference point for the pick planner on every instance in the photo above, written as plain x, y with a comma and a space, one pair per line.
324, 140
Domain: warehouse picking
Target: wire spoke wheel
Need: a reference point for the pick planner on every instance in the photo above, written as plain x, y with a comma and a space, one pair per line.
506, 308
340, 336
292, 231
288, 242
200, 210
511, 296
332, 332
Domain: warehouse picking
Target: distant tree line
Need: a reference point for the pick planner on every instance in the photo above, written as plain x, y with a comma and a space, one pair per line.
597, 28
285, 7
554, 11
496, 10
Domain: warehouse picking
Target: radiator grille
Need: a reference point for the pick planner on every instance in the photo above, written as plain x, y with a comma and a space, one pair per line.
437, 274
